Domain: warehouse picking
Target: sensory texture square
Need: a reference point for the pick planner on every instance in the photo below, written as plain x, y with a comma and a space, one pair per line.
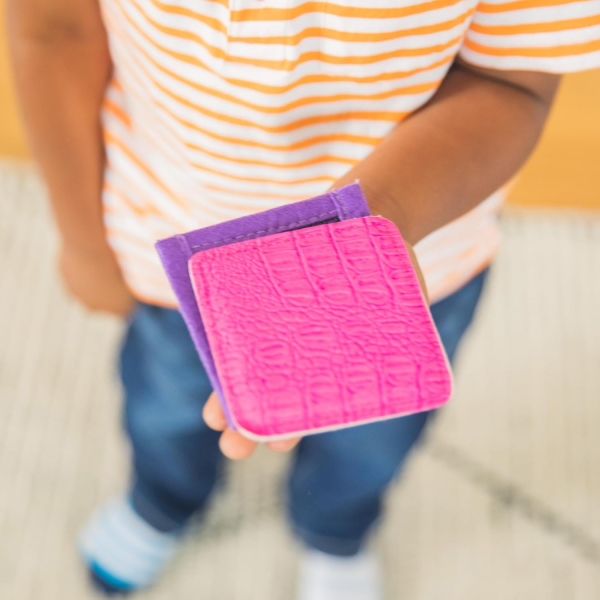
319, 328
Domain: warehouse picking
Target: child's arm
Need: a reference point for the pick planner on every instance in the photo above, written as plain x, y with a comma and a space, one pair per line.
464, 144
62, 65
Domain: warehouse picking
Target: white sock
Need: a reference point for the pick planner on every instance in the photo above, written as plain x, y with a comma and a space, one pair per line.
327, 577
124, 550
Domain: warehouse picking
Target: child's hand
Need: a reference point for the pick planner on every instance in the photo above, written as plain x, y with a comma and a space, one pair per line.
379, 201
94, 278
417, 267
233, 444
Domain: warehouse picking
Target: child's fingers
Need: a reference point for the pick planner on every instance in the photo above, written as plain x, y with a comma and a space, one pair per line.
213, 414
235, 446
283, 445
418, 271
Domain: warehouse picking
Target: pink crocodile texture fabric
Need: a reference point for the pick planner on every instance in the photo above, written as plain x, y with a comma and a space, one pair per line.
320, 328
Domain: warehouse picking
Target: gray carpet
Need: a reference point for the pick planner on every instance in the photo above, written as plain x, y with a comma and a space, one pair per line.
501, 502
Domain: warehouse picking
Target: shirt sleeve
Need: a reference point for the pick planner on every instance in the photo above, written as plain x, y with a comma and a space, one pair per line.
555, 36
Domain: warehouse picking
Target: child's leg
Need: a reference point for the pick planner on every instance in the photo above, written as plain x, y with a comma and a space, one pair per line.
338, 480
176, 457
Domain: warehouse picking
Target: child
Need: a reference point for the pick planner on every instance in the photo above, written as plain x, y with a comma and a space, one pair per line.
150, 117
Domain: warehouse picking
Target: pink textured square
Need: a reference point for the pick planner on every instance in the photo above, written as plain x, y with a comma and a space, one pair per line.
320, 328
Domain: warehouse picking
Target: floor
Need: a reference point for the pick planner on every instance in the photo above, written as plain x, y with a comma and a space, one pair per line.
500, 503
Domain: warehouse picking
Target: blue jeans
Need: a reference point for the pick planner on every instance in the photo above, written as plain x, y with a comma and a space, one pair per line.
337, 479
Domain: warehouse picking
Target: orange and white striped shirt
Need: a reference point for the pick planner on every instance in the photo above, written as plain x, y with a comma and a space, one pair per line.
220, 108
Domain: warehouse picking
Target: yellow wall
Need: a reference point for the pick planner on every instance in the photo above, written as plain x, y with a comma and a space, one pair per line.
11, 137
565, 168
564, 171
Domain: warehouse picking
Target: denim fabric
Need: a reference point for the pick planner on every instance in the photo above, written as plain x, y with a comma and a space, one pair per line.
337, 479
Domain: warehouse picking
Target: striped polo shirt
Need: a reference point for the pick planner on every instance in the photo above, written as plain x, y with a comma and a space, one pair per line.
220, 108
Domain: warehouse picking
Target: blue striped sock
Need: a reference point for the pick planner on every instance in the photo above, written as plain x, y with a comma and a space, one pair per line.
122, 551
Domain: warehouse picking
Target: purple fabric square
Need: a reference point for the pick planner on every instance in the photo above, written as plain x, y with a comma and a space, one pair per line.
175, 252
